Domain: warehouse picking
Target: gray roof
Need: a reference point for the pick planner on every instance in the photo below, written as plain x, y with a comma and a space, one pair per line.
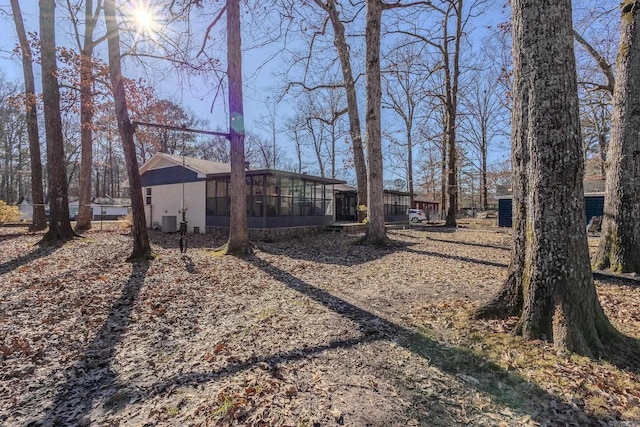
594, 186
207, 168
424, 198
200, 165
111, 201
344, 188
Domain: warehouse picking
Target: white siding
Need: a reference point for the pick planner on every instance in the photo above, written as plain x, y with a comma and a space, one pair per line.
166, 200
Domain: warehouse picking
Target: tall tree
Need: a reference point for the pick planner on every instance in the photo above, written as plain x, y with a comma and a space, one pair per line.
482, 122
451, 66
39, 221
320, 112
404, 89
13, 129
549, 285
316, 131
619, 248
448, 45
165, 112
141, 247
238, 242
342, 47
376, 233
269, 123
59, 223
86, 48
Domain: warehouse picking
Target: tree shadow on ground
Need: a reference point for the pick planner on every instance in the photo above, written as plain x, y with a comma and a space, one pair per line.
435, 228
615, 279
400, 233
338, 249
457, 258
477, 245
194, 241
91, 377
504, 387
627, 354
14, 233
36, 253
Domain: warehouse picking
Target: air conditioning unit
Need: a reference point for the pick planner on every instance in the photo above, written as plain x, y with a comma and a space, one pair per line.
169, 224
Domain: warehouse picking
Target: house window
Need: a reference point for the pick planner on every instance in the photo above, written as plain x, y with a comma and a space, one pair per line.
148, 196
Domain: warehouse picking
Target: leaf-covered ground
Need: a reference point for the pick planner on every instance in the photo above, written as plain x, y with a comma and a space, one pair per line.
309, 332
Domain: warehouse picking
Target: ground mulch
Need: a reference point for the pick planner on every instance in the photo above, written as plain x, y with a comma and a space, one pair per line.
314, 331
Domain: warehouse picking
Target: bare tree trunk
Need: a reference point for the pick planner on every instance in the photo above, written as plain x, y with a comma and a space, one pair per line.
39, 220
318, 140
342, 47
550, 285
238, 242
298, 148
85, 212
333, 150
483, 176
410, 160
59, 224
141, 248
603, 144
451, 81
443, 168
376, 232
619, 248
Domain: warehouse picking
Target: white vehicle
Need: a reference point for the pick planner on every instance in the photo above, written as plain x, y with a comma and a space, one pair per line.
416, 216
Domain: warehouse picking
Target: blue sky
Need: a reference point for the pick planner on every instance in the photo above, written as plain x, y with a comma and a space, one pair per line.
258, 72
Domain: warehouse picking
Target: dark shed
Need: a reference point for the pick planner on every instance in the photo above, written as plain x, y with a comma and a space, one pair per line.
594, 206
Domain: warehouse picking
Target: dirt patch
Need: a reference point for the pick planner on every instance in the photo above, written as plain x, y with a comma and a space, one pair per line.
309, 332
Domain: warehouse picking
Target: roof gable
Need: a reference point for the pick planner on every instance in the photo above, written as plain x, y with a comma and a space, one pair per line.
201, 167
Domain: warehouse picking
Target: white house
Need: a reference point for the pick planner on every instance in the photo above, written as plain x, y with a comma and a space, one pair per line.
175, 185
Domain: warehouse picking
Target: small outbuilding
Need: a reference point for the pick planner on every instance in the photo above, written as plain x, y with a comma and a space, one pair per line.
593, 204
428, 205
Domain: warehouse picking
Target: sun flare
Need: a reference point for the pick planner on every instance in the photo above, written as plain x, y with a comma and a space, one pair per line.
143, 17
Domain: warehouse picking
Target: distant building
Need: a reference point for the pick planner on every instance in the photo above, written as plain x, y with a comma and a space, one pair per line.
103, 208
593, 204
430, 207
109, 208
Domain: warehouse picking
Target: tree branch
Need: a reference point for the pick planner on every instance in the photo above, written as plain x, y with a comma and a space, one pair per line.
209, 28
602, 62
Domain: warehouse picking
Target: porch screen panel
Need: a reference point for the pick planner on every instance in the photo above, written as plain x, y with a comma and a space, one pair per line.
328, 200
217, 197
309, 197
271, 196
319, 199
387, 204
298, 196
286, 197
255, 203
